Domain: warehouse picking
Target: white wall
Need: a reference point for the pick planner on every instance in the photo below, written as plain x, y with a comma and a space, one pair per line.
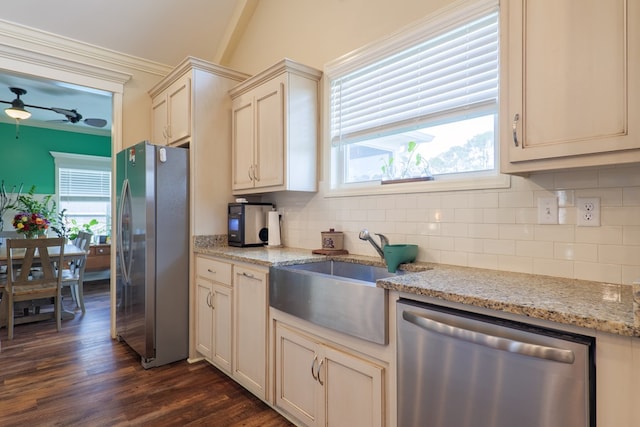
494, 229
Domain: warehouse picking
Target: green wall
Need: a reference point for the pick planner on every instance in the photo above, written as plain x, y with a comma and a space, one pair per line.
27, 161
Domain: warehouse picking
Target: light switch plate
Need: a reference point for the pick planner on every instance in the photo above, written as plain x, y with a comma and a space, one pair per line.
547, 210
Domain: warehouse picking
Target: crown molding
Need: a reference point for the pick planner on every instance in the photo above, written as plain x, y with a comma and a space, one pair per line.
12, 35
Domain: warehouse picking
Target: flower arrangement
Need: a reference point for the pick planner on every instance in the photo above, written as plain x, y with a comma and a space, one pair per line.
31, 224
34, 215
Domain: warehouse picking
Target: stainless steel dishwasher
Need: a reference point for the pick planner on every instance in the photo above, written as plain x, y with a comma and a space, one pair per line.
458, 369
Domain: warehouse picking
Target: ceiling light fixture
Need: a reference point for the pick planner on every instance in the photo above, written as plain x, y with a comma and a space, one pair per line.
17, 111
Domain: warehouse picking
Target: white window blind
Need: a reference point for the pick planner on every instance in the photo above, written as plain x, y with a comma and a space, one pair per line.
450, 73
84, 184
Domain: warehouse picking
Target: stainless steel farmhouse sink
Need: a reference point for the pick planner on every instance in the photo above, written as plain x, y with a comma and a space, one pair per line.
337, 295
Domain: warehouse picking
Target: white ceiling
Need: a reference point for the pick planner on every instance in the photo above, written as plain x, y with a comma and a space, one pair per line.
158, 30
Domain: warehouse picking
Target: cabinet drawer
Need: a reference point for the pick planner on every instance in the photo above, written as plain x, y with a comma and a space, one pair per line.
213, 270
100, 250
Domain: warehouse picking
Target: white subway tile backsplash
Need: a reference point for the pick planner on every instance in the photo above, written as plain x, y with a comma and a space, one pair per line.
495, 229
607, 273
553, 267
576, 179
620, 215
554, 233
618, 254
487, 231
515, 263
465, 244
517, 199
631, 196
604, 235
517, 231
631, 235
576, 251
619, 176
499, 247
534, 249
488, 261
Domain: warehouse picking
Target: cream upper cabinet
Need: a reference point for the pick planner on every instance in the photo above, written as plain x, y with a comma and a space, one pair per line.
570, 92
250, 328
214, 311
191, 105
322, 386
172, 113
275, 117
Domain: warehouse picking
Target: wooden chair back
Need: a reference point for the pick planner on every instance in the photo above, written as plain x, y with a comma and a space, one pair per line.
22, 256
28, 253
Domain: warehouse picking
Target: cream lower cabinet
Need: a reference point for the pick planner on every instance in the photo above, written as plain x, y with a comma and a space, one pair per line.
250, 303
214, 311
322, 386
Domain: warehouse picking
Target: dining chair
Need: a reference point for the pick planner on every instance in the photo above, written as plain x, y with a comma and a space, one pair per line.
22, 285
73, 277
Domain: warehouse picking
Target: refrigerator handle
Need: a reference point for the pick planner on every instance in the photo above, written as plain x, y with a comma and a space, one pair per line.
123, 196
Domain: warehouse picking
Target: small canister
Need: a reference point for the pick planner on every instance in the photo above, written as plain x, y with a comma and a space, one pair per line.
332, 239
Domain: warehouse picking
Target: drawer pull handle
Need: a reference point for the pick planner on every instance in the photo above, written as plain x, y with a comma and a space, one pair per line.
313, 364
249, 275
211, 271
318, 373
514, 126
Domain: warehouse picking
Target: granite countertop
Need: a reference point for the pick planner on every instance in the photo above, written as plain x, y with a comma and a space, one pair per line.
594, 305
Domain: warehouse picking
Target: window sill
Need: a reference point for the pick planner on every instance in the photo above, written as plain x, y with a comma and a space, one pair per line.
438, 185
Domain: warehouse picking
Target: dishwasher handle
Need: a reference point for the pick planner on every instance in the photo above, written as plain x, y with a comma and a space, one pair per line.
491, 341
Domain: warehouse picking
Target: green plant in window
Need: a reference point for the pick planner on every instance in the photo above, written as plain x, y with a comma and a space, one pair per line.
410, 164
75, 228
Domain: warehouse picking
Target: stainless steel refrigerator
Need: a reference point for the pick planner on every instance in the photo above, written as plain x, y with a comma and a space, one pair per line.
152, 293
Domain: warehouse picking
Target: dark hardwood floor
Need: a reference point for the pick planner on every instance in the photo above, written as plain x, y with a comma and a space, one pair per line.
80, 376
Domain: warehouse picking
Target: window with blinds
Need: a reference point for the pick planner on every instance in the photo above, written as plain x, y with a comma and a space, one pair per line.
422, 110
83, 190
82, 184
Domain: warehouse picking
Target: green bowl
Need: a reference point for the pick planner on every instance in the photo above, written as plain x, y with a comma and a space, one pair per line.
395, 255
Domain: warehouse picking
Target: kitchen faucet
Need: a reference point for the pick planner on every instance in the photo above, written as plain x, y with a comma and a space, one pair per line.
364, 235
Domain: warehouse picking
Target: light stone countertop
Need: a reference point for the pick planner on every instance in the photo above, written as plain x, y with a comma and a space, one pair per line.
594, 305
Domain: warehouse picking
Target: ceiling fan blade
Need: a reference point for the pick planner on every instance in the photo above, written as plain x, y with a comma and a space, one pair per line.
65, 112
99, 123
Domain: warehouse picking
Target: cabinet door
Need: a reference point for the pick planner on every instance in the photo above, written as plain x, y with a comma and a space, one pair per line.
250, 329
269, 134
353, 390
221, 302
297, 391
242, 146
179, 110
159, 118
204, 318
568, 78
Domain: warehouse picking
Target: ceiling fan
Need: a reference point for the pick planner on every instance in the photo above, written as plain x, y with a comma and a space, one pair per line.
17, 111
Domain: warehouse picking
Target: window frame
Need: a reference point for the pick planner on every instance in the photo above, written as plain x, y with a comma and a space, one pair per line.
432, 25
80, 161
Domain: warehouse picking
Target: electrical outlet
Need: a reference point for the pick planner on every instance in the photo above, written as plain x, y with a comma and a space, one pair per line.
547, 210
588, 211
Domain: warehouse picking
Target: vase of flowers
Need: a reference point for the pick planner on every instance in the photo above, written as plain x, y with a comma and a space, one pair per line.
31, 224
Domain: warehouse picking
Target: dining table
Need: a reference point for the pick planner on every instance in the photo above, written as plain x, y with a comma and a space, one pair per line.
70, 252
